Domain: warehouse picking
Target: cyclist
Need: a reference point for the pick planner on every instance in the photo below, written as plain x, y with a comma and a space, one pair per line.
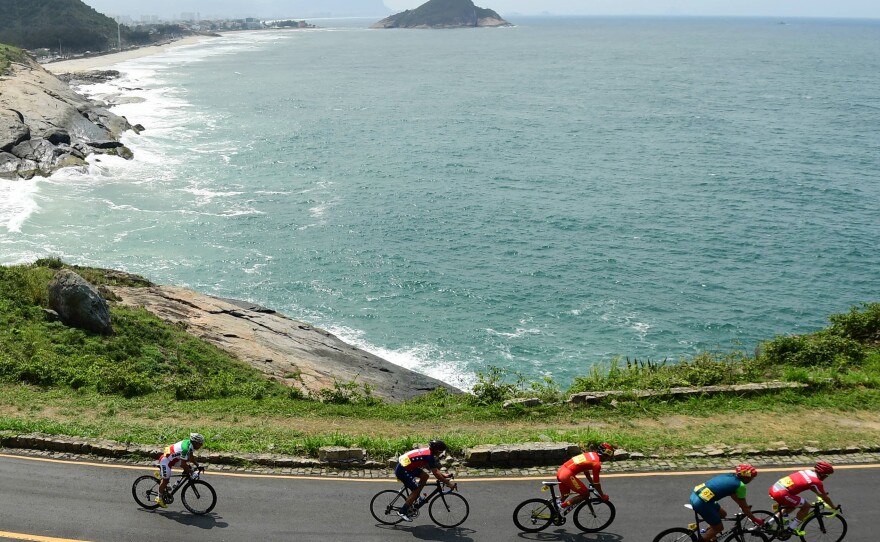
180, 454
590, 464
705, 498
785, 491
410, 467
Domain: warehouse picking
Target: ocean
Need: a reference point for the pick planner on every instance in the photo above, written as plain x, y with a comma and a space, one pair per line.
542, 198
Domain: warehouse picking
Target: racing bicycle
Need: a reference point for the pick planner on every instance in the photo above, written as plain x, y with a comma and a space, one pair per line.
591, 516
743, 530
446, 509
820, 525
196, 495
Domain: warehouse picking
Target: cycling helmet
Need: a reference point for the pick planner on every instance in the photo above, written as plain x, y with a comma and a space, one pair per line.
823, 467
605, 449
196, 438
744, 471
437, 446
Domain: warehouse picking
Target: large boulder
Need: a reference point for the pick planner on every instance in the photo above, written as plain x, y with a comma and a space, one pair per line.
9, 164
12, 130
78, 303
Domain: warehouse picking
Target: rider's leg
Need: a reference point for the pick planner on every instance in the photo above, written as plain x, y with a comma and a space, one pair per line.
573, 484
802, 513
414, 493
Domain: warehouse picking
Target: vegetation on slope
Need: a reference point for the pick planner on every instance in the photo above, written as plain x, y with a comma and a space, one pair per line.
8, 55
152, 381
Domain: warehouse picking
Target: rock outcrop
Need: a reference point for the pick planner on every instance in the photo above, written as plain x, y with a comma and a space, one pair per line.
287, 350
78, 303
44, 125
443, 14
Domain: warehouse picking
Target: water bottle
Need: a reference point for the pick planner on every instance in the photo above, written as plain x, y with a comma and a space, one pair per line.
421, 500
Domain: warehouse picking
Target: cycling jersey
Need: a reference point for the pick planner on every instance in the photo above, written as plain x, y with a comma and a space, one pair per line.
705, 497
409, 466
567, 473
785, 490
174, 454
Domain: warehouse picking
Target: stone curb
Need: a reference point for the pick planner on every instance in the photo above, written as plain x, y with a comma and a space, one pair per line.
352, 462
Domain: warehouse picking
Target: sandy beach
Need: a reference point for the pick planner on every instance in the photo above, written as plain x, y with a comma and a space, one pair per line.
104, 61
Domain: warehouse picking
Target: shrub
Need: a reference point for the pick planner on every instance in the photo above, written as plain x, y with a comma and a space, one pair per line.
823, 349
862, 326
491, 387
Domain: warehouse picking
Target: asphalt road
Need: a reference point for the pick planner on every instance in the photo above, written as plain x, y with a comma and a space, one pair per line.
54, 501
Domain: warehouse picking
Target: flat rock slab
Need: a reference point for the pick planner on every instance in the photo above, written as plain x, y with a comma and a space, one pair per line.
290, 351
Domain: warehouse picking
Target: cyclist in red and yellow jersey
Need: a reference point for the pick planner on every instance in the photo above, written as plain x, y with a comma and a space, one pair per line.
410, 467
590, 464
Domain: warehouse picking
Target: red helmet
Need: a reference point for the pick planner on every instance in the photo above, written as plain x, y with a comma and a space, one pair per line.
823, 468
605, 449
746, 471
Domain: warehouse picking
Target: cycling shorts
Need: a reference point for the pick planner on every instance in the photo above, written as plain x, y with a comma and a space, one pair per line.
165, 464
786, 499
568, 483
709, 511
410, 478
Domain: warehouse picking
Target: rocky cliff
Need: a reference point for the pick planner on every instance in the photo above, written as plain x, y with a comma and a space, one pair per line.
443, 14
286, 350
44, 125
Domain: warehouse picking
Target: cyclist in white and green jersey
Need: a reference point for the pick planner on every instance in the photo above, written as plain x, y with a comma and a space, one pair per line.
181, 454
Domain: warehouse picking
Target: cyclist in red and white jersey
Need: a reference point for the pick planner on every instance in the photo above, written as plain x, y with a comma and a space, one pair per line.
785, 491
178, 454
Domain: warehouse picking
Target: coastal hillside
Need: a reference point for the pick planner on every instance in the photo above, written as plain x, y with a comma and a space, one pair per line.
443, 14
69, 24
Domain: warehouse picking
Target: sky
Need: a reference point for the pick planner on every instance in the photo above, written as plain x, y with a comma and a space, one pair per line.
294, 8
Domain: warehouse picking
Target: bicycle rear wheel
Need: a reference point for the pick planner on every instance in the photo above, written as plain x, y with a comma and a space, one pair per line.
593, 515
145, 490
677, 534
533, 515
826, 527
199, 497
385, 505
449, 509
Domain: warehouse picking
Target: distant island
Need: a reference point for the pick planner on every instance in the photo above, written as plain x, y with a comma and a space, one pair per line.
443, 14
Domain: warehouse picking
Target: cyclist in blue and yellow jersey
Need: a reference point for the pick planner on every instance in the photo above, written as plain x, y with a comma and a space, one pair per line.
589, 463
410, 467
178, 454
705, 498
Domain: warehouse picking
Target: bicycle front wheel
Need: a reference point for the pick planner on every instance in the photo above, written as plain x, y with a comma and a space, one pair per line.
145, 490
677, 534
533, 515
449, 509
199, 497
826, 527
593, 515
385, 506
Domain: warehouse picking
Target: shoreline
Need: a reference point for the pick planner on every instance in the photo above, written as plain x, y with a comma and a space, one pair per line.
102, 62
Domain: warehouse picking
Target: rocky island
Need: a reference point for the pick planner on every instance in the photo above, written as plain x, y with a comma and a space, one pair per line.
443, 14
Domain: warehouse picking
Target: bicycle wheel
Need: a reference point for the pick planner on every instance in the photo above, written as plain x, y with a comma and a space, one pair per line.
449, 509
533, 515
199, 497
826, 527
145, 490
677, 534
751, 534
593, 515
771, 528
385, 504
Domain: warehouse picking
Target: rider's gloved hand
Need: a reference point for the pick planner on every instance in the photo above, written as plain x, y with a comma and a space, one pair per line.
759, 522
194, 474
605, 498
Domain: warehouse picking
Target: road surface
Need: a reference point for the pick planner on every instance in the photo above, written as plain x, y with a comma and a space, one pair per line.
62, 501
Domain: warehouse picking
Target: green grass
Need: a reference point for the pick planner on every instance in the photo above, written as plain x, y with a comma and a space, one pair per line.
8, 55
150, 382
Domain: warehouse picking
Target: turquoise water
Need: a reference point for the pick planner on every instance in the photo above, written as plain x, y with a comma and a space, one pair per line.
540, 198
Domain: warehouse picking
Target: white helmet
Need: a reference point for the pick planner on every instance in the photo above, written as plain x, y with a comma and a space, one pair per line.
196, 438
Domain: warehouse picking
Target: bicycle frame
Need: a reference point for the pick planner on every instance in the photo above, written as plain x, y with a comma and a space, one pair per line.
736, 519
182, 479
780, 531
551, 486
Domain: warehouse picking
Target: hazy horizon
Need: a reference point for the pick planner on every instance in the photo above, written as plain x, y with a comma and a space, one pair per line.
366, 8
